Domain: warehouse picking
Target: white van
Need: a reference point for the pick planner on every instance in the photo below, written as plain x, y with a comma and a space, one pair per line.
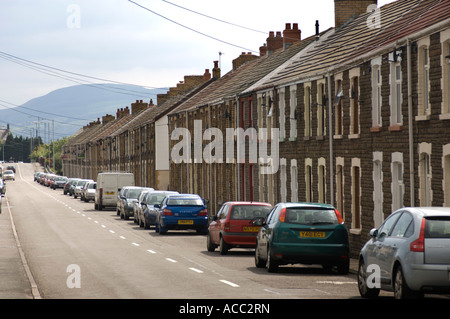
109, 185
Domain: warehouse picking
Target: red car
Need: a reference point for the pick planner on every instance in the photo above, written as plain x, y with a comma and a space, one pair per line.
232, 225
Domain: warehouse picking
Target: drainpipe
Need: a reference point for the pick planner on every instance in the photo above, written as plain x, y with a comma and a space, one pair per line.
330, 138
410, 126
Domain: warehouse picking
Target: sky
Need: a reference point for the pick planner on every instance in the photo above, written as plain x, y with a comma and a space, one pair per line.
151, 43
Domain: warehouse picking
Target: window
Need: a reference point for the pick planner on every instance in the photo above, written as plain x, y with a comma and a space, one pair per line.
423, 82
283, 178
425, 191
307, 103
404, 226
445, 109
396, 98
354, 103
387, 226
340, 185
294, 181
338, 130
356, 194
293, 113
308, 180
376, 93
282, 117
321, 185
398, 188
321, 115
446, 171
377, 188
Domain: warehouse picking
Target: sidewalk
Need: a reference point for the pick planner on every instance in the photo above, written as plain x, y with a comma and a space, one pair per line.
14, 283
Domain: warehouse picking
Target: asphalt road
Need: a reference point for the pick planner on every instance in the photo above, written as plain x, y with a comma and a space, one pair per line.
74, 251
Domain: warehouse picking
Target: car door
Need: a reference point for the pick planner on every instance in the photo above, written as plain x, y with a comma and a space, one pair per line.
378, 249
214, 226
264, 235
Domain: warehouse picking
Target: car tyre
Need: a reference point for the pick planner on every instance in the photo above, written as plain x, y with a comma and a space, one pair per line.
401, 289
209, 245
259, 262
364, 290
271, 264
223, 248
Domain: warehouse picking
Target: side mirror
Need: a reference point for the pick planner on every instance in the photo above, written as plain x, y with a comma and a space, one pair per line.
157, 205
258, 221
373, 233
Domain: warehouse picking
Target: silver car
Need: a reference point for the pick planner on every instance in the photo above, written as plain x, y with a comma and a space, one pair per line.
408, 254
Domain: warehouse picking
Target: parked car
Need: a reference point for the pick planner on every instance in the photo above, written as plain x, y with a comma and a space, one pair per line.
2, 187
121, 200
88, 192
69, 183
79, 187
8, 175
411, 250
109, 185
131, 198
302, 233
182, 211
11, 168
232, 226
137, 204
147, 210
59, 182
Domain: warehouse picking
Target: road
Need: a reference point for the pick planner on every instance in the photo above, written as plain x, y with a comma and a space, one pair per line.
74, 251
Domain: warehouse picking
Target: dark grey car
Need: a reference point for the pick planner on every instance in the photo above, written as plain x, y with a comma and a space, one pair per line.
147, 211
408, 254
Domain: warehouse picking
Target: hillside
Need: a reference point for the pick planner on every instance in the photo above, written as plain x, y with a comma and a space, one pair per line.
72, 107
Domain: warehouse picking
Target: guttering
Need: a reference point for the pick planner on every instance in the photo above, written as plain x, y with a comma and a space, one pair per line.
330, 138
410, 126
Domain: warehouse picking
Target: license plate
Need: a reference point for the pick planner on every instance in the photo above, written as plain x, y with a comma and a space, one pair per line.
250, 229
312, 234
185, 222
110, 193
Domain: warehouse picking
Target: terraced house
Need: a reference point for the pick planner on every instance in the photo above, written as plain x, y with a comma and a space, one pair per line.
357, 116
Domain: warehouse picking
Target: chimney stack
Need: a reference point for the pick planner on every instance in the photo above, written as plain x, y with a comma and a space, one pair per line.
344, 10
216, 70
242, 59
291, 35
274, 42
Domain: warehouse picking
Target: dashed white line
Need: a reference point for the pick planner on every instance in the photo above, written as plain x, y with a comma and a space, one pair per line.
229, 283
196, 270
122, 237
112, 231
171, 260
151, 251
135, 244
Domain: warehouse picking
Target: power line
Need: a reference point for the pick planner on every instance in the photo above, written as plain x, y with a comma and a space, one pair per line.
186, 27
207, 16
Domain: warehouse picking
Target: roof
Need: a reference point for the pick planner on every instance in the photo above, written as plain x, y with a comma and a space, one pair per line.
357, 38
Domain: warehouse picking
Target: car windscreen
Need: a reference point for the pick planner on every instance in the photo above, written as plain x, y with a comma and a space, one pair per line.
134, 193
311, 216
155, 199
249, 211
184, 202
437, 227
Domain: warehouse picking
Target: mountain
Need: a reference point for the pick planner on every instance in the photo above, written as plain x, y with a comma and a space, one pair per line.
72, 107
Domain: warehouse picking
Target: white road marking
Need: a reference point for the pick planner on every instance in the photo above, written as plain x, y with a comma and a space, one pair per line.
196, 270
229, 283
151, 251
171, 260
135, 244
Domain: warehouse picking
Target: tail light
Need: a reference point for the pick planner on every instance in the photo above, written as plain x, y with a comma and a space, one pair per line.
282, 217
101, 193
339, 217
419, 244
203, 212
226, 226
167, 212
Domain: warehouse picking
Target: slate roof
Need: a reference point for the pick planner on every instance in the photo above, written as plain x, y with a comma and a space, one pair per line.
358, 38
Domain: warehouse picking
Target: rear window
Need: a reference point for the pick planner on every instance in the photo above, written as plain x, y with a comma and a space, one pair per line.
437, 227
184, 202
133, 193
155, 199
249, 211
309, 216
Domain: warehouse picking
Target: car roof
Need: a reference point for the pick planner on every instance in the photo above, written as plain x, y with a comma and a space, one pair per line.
306, 204
184, 195
247, 203
431, 211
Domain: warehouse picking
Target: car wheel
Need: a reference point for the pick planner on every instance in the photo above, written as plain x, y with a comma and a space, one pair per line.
223, 248
259, 262
364, 290
209, 245
271, 264
401, 289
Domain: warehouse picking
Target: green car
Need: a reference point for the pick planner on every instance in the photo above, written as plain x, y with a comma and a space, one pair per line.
302, 233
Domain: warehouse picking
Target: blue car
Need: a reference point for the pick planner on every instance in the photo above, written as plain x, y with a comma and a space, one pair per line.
182, 211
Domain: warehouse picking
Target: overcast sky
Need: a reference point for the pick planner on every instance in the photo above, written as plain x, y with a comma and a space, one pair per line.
123, 41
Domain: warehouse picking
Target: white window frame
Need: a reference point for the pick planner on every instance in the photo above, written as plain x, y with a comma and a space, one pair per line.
282, 116
321, 109
445, 80
292, 112
309, 182
446, 174
354, 104
377, 100
423, 81
378, 216
396, 96
321, 180
283, 180
425, 174
356, 191
397, 184
294, 181
307, 110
